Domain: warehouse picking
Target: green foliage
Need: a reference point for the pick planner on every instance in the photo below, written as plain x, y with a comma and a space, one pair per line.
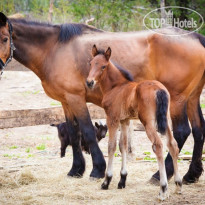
110, 15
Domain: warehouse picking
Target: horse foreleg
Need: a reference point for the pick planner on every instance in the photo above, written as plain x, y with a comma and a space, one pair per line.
123, 149
78, 166
111, 151
79, 109
181, 131
198, 127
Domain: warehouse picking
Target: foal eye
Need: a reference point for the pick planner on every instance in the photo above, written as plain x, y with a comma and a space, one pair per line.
5, 40
103, 67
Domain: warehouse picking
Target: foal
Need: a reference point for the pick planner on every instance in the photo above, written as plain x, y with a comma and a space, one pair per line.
124, 100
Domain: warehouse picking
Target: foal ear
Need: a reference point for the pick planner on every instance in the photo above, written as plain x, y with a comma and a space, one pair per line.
108, 53
94, 51
3, 19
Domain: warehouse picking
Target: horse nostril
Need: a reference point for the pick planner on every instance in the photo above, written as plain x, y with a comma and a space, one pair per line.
90, 84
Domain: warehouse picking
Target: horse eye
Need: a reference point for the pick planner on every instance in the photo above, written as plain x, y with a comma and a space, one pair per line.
5, 40
103, 67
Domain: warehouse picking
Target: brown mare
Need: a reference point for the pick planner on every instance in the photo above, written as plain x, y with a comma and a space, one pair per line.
123, 100
60, 56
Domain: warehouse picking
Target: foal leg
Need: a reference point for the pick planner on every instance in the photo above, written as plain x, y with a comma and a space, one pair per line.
181, 131
123, 149
111, 151
157, 147
174, 152
130, 134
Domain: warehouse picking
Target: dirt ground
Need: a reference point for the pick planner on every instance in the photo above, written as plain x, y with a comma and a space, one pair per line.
32, 172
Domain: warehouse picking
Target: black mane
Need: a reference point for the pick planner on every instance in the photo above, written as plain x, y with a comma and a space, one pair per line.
66, 31
124, 72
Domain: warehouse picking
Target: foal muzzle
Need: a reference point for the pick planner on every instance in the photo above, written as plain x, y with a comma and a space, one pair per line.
90, 84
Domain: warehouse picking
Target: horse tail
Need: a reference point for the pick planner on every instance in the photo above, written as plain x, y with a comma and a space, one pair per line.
162, 103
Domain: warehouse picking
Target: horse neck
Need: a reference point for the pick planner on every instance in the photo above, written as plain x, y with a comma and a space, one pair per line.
111, 78
33, 42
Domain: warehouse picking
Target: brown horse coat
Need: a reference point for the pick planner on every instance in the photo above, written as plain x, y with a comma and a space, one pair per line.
60, 56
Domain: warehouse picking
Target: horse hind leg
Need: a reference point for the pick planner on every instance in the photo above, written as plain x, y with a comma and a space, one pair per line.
198, 131
123, 149
181, 131
174, 152
157, 147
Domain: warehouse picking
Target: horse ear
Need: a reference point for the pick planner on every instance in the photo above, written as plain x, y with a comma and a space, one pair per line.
94, 51
3, 19
97, 125
108, 54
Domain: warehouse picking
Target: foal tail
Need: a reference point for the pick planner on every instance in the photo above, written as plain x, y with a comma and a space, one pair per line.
162, 102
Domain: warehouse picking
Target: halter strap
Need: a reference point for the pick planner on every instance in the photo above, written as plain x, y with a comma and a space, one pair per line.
12, 48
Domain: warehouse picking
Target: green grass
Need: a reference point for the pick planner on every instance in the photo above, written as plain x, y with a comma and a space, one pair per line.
202, 105
11, 156
148, 158
41, 147
13, 147
55, 103
28, 150
185, 152
147, 153
30, 155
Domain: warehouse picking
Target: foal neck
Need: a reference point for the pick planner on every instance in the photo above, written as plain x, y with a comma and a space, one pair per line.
111, 78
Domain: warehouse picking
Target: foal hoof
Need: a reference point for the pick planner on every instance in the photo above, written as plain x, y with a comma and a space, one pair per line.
163, 196
104, 186
121, 185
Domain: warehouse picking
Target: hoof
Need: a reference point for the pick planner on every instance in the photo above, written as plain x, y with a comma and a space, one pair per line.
104, 186
178, 189
121, 185
76, 172
189, 180
163, 196
98, 173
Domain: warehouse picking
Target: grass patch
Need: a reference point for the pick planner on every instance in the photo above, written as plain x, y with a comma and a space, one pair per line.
28, 150
202, 105
147, 153
185, 152
30, 155
13, 147
148, 158
55, 103
41, 147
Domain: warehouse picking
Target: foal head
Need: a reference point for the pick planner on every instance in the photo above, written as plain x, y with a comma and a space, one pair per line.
4, 40
98, 64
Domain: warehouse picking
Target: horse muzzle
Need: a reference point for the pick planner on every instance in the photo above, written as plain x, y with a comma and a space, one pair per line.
90, 83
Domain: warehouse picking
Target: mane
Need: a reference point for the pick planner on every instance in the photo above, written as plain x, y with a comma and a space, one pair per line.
124, 72
66, 31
